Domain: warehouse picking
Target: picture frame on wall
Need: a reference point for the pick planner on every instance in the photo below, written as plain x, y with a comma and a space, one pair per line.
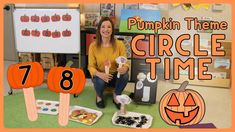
107, 10
131, 6
91, 19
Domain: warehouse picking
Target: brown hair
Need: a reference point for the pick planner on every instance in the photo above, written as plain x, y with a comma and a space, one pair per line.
98, 35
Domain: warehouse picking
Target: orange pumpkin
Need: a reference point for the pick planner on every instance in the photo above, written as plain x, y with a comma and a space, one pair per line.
35, 18
66, 17
46, 33
24, 18
45, 18
66, 33
66, 80
35, 33
55, 18
182, 106
25, 75
56, 34
25, 32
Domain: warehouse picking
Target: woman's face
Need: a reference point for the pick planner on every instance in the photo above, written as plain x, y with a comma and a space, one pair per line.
106, 29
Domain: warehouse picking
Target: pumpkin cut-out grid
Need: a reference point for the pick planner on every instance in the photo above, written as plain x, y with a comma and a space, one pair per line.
182, 106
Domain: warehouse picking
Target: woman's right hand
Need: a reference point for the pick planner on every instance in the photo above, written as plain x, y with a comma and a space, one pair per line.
104, 76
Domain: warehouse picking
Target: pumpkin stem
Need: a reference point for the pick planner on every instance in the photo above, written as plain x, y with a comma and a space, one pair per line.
69, 63
183, 86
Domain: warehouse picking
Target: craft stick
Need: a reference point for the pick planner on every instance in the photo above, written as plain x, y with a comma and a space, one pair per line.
122, 110
107, 65
119, 66
106, 69
30, 103
74, 74
64, 105
64, 109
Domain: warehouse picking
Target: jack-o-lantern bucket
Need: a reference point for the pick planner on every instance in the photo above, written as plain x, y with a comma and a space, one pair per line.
182, 106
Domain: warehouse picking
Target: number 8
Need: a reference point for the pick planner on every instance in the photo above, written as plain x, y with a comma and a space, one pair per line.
68, 78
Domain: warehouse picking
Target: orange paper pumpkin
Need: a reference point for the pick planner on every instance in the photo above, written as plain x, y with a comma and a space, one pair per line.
25, 32
25, 75
46, 33
35, 18
66, 33
66, 80
45, 18
66, 17
35, 33
56, 34
24, 18
55, 18
182, 106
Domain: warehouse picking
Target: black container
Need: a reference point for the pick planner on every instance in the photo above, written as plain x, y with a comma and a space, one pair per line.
148, 90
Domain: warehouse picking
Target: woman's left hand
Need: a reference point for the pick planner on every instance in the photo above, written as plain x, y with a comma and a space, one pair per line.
122, 70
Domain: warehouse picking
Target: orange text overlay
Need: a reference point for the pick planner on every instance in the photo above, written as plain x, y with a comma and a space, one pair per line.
165, 47
170, 24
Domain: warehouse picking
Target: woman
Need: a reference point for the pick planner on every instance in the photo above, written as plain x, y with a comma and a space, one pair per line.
106, 48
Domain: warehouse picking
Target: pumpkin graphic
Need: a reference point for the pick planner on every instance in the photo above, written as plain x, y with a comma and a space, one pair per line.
17, 72
24, 18
45, 18
182, 106
66, 17
35, 18
66, 33
55, 18
35, 33
46, 33
66, 80
25, 32
138, 18
56, 34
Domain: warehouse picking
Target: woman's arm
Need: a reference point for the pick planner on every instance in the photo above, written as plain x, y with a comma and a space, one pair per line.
92, 65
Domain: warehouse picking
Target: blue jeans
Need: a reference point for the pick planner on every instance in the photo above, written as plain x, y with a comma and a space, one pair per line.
118, 83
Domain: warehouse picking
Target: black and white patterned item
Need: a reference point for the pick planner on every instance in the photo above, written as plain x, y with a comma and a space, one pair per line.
133, 120
145, 88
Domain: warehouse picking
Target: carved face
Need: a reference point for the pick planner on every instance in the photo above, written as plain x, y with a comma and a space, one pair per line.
182, 107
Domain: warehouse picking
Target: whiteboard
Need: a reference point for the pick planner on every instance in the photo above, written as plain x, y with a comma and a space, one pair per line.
59, 36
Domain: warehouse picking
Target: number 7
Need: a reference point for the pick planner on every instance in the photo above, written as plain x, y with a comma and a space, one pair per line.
28, 67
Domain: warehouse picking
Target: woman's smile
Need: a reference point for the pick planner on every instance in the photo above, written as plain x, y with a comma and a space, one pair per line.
106, 29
